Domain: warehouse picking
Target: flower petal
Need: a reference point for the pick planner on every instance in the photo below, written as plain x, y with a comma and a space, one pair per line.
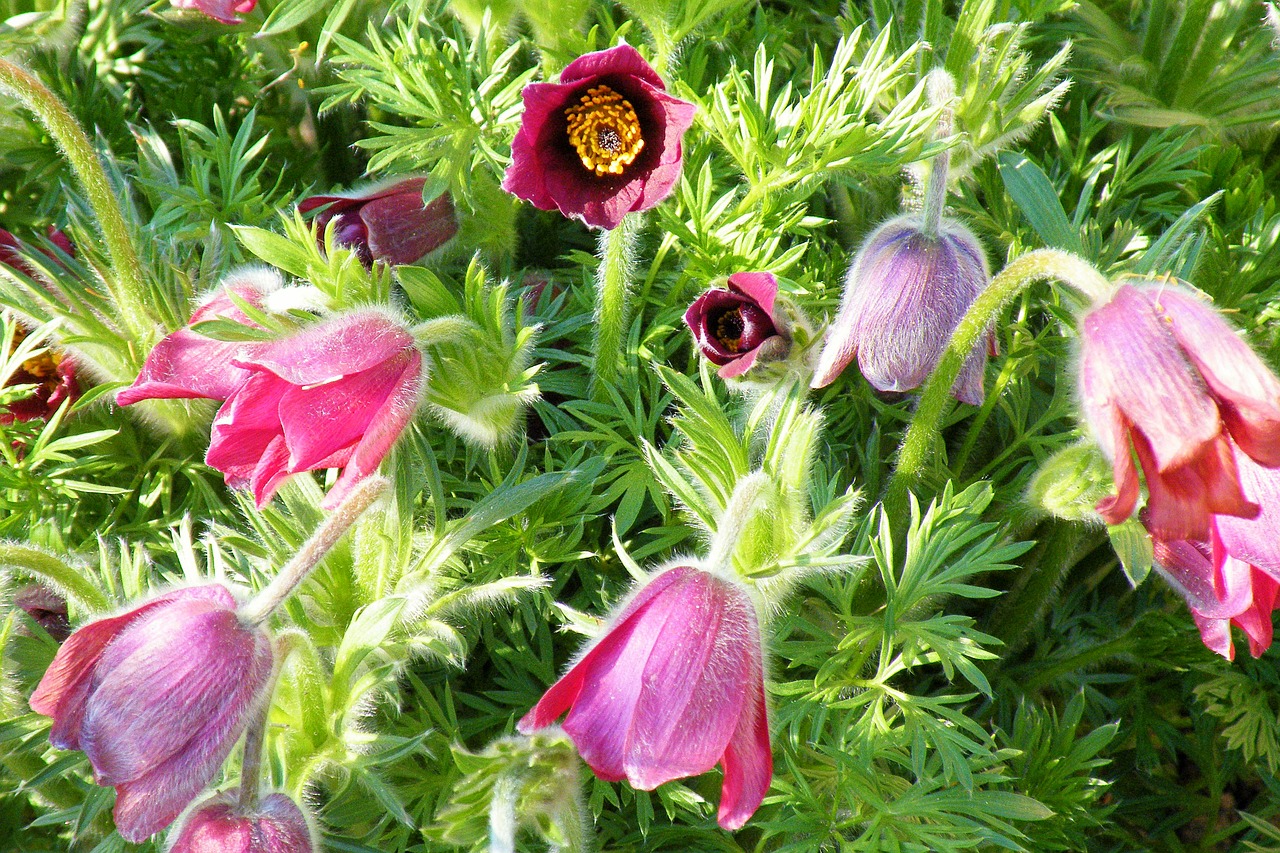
623, 59
747, 761
346, 344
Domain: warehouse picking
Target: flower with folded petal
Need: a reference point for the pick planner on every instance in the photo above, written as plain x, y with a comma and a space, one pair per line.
186, 364
739, 325
904, 296
386, 222
221, 825
223, 11
335, 395
156, 698
1163, 372
603, 142
54, 376
672, 687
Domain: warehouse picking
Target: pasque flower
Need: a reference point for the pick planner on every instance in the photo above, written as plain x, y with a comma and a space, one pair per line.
186, 364
736, 326
54, 376
904, 295
11, 250
386, 221
220, 825
224, 11
601, 143
335, 395
672, 687
1163, 372
156, 697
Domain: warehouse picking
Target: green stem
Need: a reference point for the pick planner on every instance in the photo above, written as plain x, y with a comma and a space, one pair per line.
941, 92
612, 299
127, 285
926, 426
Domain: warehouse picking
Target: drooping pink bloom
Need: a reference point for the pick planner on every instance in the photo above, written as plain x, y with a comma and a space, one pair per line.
672, 687
1164, 372
335, 395
904, 295
223, 11
220, 825
737, 326
185, 364
386, 221
601, 143
156, 698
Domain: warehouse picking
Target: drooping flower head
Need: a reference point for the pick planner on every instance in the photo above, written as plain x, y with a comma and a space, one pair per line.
220, 825
601, 143
223, 11
672, 687
386, 221
904, 295
335, 395
1162, 372
156, 698
736, 326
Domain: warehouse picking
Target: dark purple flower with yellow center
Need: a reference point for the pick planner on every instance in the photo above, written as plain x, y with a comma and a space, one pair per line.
54, 376
737, 327
601, 143
386, 222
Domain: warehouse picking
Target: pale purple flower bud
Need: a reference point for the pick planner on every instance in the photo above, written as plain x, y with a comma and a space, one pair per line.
904, 296
672, 687
220, 825
156, 698
1162, 371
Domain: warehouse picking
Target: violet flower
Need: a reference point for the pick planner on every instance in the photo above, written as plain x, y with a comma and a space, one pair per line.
904, 296
734, 328
156, 698
335, 395
672, 687
601, 143
223, 11
220, 825
386, 221
1164, 372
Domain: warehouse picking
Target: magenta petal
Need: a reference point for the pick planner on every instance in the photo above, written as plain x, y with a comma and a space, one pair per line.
187, 365
1254, 540
739, 366
1215, 634
270, 471
326, 351
747, 762
623, 59
760, 287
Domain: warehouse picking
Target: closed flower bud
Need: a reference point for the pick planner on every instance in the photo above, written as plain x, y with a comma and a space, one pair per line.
220, 825
904, 296
672, 687
386, 221
46, 608
738, 326
156, 698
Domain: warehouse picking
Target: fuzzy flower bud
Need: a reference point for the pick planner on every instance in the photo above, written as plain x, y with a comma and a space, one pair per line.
904, 296
156, 697
738, 326
672, 687
219, 825
386, 221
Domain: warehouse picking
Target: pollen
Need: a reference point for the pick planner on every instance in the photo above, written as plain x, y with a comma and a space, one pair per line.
729, 329
605, 131
43, 367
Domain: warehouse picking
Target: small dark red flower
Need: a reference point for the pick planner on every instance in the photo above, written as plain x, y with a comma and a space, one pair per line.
11, 250
601, 143
736, 327
53, 374
387, 221
46, 608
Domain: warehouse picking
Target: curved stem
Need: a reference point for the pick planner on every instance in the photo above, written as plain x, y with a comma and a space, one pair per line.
612, 298
128, 284
251, 763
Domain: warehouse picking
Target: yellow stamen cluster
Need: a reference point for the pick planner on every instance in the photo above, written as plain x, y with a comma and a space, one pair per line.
605, 131
43, 367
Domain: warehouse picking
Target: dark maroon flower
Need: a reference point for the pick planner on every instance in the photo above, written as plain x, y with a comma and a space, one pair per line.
53, 374
601, 143
386, 222
46, 608
736, 327
11, 253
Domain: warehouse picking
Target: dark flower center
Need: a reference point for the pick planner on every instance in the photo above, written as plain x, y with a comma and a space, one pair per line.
729, 327
605, 131
41, 370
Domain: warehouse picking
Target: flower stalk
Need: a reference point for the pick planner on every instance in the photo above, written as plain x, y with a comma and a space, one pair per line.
251, 763
613, 298
942, 90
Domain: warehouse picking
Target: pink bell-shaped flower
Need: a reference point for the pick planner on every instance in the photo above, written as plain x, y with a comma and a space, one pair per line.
1160, 370
672, 687
335, 395
220, 825
736, 326
156, 698
387, 221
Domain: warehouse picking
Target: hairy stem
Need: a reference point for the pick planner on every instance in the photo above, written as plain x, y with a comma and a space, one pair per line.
612, 308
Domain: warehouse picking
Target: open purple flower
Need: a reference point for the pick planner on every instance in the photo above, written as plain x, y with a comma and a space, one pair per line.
223, 11
156, 698
335, 395
1163, 372
220, 825
386, 221
601, 143
672, 687
740, 325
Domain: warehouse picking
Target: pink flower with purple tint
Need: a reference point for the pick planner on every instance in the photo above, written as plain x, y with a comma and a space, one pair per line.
904, 296
386, 221
220, 825
601, 143
1163, 372
672, 687
186, 364
156, 698
740, 325
335, 395
223, 11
